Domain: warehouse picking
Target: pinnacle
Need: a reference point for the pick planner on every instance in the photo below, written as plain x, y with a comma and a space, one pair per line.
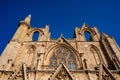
85, 25
29, 15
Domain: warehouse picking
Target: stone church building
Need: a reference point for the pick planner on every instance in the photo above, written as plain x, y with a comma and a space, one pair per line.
60, 59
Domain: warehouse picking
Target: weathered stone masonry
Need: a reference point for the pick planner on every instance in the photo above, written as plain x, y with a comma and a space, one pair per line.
60, 59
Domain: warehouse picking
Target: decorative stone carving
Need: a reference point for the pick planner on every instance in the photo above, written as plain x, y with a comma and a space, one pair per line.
62, 55
62, 73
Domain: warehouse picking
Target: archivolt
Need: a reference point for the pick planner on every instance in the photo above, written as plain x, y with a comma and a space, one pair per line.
98, 52
60, 45
50, 51
31, 46
31, 31
92, 32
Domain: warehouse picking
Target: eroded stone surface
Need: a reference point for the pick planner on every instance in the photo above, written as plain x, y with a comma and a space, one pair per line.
81, 59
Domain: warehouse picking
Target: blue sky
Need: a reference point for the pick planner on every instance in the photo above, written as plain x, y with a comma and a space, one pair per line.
62, 16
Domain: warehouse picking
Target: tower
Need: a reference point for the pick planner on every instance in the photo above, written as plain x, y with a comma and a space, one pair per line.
45, 58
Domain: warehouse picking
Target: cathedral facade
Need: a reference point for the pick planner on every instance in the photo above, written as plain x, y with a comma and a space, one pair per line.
60, 59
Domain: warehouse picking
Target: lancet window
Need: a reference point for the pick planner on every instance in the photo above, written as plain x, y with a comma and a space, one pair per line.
35, 36
87, 36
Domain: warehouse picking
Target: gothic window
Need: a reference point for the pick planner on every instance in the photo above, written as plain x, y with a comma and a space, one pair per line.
87, 36
95, 55
62, 55
35, 36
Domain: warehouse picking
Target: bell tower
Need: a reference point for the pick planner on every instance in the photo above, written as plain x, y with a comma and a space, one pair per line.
22, 30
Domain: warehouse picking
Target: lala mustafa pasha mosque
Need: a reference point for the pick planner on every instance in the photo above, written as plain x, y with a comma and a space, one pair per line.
59, 59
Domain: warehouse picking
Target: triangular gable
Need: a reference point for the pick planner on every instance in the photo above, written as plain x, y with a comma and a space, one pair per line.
62, 73
61, 39
86, 27
107, 73
19, 72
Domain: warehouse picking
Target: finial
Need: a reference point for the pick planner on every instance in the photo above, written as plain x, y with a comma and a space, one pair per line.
29, 15
61, 35
85, 25
104, 34
28, 19
47, 26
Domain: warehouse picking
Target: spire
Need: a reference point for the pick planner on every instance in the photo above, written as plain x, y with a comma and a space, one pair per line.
85, 25
28, 19
47, 27
29, 15
105, 35
61, 35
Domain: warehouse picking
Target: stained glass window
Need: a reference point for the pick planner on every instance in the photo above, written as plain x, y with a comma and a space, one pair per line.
62, 55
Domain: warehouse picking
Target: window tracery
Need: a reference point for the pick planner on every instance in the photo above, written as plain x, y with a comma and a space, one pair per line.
62, 55
62, 75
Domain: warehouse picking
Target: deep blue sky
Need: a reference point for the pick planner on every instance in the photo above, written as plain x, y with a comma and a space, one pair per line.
62, 16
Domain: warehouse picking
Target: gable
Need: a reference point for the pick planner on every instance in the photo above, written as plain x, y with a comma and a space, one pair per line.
62, 73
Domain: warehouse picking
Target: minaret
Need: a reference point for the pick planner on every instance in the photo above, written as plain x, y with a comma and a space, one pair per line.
11, 50
28, 19
22, 29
